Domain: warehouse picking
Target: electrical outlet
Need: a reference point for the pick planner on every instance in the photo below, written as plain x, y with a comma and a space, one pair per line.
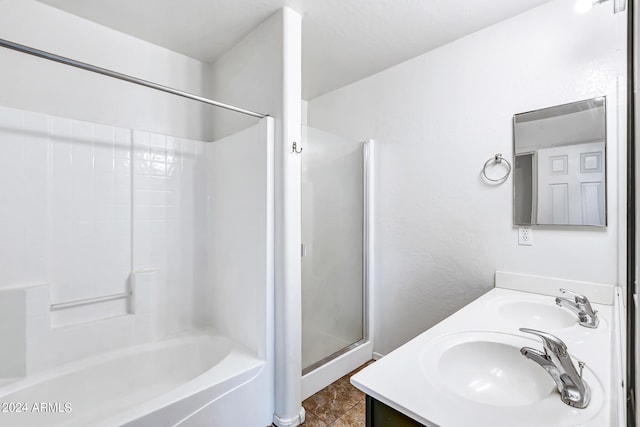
525, 236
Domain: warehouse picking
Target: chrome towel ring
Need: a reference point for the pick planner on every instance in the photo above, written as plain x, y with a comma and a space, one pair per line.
496, 159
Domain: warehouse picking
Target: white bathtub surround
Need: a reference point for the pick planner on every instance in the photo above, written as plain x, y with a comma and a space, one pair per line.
97, 211
67, 217
166, 206
237, 298
441, 231
143, 302
24, 318
78, 219
13, 333
241, 203
430, 377
34, 343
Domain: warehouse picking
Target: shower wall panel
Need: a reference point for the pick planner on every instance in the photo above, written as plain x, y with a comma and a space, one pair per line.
74, 216
240, 235
168, 214
66, 216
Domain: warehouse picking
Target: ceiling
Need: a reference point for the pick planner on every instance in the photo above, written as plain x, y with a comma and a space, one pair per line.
343, 40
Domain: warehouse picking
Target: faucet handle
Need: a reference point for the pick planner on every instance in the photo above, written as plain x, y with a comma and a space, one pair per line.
551, 343
582, 300
579, 298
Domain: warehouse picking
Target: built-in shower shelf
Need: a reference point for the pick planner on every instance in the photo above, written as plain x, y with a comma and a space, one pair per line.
35, 337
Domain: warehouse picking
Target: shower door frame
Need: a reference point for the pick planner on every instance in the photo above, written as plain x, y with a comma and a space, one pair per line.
366, 294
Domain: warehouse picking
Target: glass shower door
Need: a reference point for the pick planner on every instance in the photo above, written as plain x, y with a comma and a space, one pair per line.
333, 258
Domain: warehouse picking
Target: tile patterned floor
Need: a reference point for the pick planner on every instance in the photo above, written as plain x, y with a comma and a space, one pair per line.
338, 405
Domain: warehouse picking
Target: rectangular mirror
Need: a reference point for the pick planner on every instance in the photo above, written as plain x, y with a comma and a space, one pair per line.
559, 173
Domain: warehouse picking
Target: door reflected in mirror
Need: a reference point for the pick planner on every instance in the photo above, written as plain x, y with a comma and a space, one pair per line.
559, 166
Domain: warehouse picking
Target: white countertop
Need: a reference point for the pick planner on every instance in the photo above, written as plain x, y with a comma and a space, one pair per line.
407, 378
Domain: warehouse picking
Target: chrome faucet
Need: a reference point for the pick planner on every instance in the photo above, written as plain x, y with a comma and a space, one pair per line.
581, 306
574, 391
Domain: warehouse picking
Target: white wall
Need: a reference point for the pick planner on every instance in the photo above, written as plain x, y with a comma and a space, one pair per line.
250, 76
34, 84
441, 232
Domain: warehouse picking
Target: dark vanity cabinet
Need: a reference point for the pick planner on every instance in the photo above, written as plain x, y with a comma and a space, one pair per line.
381, 415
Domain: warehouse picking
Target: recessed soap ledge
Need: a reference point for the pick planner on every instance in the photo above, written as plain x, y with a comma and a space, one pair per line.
468, 369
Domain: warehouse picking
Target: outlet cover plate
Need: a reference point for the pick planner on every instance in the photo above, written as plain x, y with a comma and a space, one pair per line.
525, 236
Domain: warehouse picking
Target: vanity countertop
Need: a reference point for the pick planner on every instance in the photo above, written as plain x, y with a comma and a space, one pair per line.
412, 379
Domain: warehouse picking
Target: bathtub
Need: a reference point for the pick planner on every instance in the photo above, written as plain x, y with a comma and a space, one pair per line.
164, 383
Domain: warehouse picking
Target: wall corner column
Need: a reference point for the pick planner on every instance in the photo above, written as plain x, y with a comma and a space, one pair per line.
288, 289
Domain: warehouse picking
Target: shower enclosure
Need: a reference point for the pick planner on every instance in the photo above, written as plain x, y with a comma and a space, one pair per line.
334, 256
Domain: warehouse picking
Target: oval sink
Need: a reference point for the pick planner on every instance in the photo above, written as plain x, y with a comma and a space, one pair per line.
484, 373
537, 315
536, 312
493, 373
